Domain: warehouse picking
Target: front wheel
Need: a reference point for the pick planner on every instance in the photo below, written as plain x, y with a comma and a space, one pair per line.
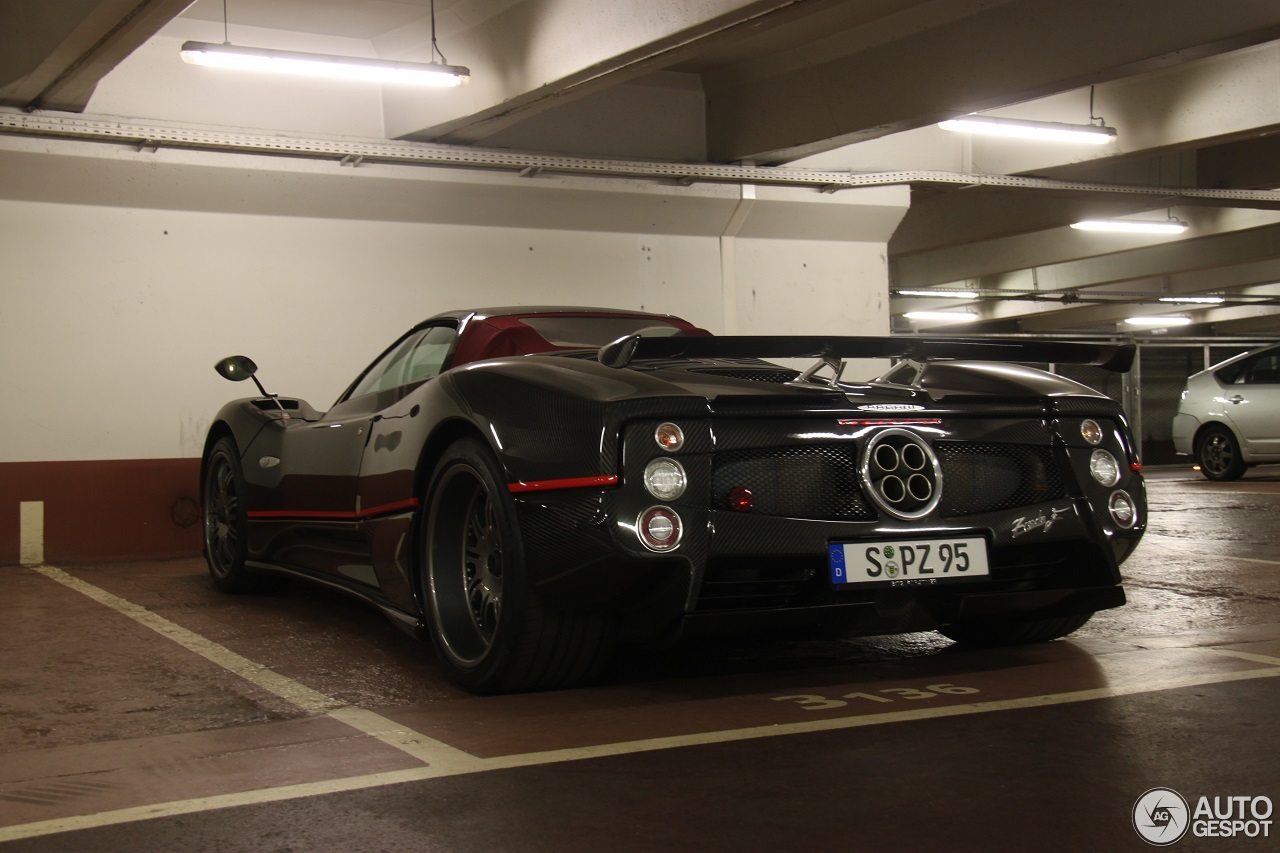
492, 631
226, 522
1013, 632
1219, 455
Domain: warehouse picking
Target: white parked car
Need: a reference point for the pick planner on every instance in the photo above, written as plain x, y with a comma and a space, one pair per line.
1229, 417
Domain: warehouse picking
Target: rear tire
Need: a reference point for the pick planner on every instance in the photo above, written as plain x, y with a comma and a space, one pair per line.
492, 631
1013, 632
226, 522
1218, 454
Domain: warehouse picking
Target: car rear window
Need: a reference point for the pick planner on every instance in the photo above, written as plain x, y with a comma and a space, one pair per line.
595, 332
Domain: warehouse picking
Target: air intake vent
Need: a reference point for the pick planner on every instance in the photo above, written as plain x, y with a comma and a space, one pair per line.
270, 405
759, 374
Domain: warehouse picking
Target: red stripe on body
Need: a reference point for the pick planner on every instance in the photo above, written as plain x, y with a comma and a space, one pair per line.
569, 483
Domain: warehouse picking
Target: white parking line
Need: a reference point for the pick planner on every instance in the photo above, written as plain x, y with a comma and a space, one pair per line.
1180, 543
1249, 656
444, 760
1257, 560
421, 747
506, 762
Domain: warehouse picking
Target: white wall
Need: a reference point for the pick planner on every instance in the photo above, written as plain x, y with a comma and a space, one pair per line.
110, 340
808, 287
118, 292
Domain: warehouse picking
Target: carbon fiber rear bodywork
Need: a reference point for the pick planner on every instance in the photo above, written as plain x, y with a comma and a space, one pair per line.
1022, 484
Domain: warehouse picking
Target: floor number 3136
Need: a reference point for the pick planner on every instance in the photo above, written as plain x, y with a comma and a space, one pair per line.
813, 702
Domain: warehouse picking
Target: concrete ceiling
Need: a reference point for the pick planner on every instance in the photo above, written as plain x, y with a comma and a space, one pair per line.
1193, 90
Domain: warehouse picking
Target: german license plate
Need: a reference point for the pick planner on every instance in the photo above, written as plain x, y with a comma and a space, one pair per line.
911, 562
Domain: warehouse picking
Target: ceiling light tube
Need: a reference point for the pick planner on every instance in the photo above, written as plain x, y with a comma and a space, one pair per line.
952, 316
1158, 321
943, 294
324, 65
1132, 226
1044, 131
1194, 300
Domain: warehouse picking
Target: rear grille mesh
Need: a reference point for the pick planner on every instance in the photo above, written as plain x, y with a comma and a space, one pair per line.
814, 481
988, 477
821, 481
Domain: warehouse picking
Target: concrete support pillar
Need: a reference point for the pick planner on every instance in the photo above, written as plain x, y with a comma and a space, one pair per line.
798, 261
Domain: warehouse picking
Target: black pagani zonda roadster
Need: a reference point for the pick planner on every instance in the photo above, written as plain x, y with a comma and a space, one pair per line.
530, 486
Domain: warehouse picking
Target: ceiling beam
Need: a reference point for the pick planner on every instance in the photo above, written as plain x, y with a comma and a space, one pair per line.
1210, 123
942, 218
1244, 319
540, 54
1232, 247
55, 53
1216, 99
1064, 258
1093, 317
1247, 281
784, 107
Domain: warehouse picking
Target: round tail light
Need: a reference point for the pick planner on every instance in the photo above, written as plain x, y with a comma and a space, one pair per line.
1123, 512
659, 528
669, 437
1091, 432
1104, 468
665, 479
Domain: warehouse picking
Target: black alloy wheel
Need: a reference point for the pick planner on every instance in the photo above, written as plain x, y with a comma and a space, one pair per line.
226, 520
467, 572
1218, 454
492, 631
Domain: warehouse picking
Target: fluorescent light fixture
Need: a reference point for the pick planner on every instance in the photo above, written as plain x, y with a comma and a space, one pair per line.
324, 65
1193, 300
952, 316
1132, 226
1045, 131
1158, 321
942, 294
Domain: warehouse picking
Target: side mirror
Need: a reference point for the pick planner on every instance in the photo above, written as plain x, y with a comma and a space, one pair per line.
237, 368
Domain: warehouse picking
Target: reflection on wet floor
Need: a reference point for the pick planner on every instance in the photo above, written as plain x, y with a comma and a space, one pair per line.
91, 697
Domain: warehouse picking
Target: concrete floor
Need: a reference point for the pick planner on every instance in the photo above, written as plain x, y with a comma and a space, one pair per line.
142, 710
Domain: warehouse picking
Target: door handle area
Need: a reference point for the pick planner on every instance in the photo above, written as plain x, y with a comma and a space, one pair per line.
1237, 399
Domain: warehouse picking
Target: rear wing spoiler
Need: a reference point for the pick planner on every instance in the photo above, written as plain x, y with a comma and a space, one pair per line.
1115, 357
